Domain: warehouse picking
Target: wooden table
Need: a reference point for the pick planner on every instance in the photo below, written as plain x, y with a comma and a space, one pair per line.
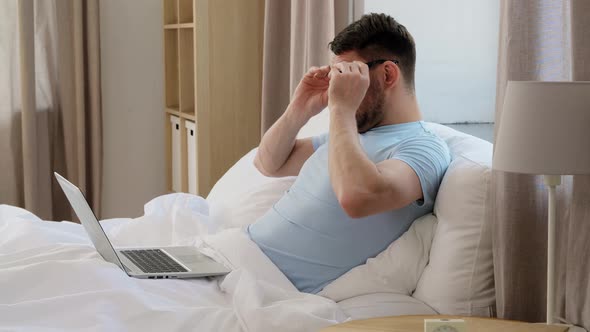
416, 324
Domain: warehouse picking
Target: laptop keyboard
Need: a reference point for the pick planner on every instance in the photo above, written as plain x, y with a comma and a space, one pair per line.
153, 261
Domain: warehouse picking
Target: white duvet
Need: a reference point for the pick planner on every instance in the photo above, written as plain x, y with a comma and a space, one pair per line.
52, 278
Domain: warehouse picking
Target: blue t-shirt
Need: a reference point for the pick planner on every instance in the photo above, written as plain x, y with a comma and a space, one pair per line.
308, 235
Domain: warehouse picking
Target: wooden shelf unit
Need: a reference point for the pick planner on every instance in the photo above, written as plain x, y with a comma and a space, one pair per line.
213, 77
179, 26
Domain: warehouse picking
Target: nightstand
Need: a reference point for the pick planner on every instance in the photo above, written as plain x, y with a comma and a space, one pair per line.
416, 324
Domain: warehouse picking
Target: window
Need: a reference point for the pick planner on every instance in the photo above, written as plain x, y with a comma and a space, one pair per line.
7, 54
457, 50
45, 50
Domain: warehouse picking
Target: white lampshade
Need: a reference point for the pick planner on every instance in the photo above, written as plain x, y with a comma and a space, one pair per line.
544, 129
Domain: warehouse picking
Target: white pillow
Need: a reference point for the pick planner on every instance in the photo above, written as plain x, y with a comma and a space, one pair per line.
459, 278
317, 125
395, 270
243, 194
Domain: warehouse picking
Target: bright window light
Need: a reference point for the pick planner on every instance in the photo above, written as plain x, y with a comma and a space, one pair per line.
457, 51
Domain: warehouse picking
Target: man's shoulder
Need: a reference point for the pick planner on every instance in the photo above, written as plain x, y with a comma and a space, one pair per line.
423, 137
425, 143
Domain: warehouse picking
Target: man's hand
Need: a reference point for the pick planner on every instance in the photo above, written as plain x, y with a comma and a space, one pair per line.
349, 82
311, 95
280, 152
362, 187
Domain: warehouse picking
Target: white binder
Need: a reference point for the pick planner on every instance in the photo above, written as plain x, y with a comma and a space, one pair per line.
191, 144
176, 170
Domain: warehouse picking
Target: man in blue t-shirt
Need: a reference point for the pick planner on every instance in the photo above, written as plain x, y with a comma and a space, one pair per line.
360, 186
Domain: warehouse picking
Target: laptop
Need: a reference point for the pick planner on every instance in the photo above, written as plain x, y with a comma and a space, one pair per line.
145, 263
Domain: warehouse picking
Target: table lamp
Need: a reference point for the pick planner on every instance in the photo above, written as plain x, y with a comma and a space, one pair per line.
545, 130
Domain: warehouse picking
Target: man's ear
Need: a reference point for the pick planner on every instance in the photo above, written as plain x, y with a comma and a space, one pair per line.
392, 74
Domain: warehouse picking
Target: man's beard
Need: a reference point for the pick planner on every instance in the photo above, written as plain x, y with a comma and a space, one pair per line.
370, 113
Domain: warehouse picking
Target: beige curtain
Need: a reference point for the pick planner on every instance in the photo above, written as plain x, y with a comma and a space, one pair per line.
296, 37
50, 119
543, 41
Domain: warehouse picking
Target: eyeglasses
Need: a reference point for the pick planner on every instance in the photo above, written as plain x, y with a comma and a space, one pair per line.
370, 64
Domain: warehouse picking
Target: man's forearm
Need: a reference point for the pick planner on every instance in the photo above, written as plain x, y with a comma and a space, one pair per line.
278, 142
351, 171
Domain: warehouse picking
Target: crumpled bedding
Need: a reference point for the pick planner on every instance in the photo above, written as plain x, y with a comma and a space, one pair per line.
52, 278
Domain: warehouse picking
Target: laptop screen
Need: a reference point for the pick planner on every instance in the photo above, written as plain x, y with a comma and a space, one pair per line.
89, 221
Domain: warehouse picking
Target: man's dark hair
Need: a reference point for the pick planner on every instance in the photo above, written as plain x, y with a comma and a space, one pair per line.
379, 36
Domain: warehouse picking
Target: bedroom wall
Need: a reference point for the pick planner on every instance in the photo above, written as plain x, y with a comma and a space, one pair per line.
132, 100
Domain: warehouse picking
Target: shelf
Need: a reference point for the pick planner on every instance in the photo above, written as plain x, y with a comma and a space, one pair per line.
189, 115
186, 67
185, 11
178, 14
173, 111
179, 26
170, 12
171, 68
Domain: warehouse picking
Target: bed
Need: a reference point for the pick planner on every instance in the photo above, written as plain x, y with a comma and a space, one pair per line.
52, 279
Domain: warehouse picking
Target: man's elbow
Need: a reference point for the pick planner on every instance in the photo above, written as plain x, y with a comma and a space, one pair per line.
260, 167
355, 205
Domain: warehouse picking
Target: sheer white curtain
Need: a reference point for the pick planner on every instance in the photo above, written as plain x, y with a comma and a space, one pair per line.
49, 103
11, 101
7, 57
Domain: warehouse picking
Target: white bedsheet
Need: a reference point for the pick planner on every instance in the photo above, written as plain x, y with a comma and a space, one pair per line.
52, 279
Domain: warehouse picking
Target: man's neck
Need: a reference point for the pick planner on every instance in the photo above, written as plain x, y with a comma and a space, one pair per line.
401, 110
